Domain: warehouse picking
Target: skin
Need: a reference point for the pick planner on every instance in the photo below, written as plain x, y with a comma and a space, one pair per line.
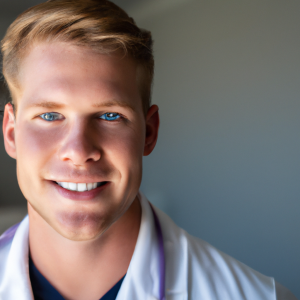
83, 247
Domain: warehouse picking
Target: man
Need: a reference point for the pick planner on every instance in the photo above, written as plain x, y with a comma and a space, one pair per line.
80, 75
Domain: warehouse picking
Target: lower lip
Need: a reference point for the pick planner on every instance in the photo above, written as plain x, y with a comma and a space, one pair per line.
80, 196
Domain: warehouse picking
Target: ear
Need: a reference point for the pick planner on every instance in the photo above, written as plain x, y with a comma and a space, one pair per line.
9, 130
152, 125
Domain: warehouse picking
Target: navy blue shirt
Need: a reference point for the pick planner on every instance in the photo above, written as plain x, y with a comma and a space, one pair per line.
43, 290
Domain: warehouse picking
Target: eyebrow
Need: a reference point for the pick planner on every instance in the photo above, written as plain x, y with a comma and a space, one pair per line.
47, 104
53, 105
114, 103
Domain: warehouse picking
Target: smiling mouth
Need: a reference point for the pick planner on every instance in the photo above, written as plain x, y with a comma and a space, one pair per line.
80, 187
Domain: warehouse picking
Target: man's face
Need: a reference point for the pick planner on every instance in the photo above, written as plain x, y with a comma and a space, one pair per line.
79, 137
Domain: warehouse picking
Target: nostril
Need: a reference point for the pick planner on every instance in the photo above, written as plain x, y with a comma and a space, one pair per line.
79, 153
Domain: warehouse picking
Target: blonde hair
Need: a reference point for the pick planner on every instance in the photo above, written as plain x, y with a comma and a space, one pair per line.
96, 24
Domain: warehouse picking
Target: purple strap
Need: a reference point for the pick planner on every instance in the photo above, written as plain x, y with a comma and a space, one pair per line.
8, 234
162, 263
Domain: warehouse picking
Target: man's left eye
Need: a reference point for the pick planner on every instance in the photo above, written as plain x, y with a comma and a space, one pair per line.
110, 116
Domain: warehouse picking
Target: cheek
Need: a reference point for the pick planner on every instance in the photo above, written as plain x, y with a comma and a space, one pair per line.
124, 151
35, 148
35, 142
126, 146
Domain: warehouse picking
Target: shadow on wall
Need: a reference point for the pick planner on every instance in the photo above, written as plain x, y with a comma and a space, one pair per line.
10, 216
4, 95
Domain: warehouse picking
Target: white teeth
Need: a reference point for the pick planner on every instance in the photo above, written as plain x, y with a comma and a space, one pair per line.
72, 186
81, 187
65, 185
78, 187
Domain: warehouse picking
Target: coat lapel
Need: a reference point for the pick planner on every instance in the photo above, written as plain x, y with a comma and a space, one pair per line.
142, 278
16, 283
176, 255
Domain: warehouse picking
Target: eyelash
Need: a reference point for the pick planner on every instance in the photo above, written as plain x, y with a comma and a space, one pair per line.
52, 116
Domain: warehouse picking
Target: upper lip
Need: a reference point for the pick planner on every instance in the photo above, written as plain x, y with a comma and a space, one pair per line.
81, 180
78, 178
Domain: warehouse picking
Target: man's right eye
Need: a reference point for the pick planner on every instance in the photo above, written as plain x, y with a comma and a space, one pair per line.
51, 116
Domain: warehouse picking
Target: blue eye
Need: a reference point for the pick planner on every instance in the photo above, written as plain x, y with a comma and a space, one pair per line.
110, 116
51, 116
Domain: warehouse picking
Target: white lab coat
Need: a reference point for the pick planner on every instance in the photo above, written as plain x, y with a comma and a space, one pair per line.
194, 269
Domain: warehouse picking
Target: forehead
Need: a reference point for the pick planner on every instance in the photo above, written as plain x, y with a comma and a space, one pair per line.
64, 70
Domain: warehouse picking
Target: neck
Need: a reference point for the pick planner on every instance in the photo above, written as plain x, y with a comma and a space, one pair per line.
84, 270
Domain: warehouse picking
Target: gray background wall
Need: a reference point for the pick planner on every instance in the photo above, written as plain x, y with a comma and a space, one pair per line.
227, 164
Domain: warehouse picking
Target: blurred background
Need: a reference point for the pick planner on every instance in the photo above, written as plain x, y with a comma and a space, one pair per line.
227, 164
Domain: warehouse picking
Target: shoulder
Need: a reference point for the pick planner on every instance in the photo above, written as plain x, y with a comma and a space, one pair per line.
210, 272
231, 276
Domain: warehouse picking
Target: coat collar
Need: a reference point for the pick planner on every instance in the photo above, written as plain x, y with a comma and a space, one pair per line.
142, 279
16, 283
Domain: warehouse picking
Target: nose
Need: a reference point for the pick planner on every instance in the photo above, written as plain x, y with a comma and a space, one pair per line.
79, 145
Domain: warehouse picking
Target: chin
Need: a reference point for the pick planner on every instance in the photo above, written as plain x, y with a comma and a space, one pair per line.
80, 226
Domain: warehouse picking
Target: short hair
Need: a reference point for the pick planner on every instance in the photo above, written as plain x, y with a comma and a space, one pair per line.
97, 24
